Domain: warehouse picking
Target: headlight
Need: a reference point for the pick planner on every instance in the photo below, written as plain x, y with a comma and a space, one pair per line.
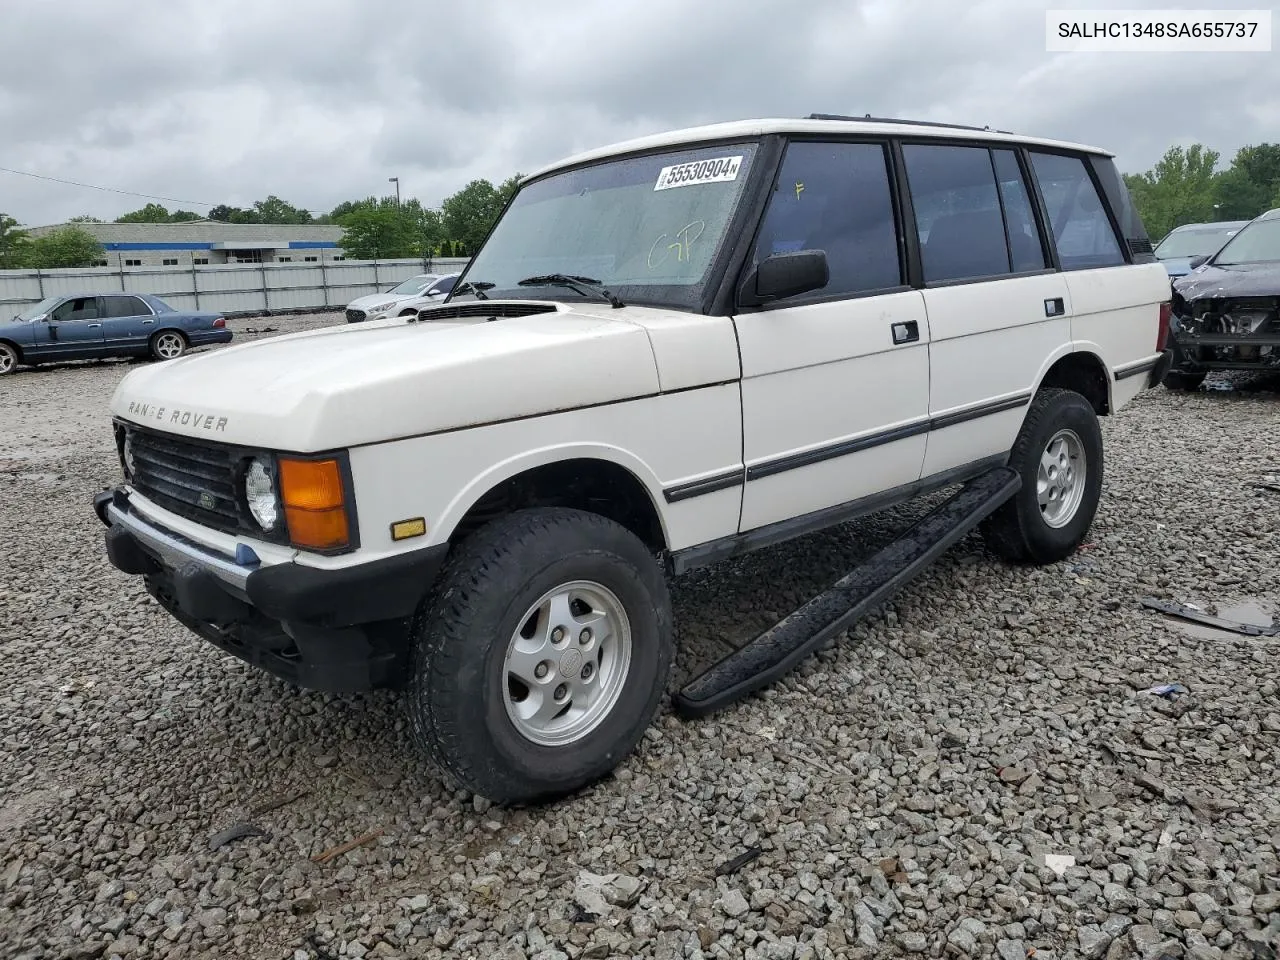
382, 306
126, 454
260, 494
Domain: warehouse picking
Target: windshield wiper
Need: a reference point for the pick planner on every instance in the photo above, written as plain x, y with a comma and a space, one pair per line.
478, 287
582, 285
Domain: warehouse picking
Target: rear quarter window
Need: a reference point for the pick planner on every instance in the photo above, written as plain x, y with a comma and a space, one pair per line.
1079, 225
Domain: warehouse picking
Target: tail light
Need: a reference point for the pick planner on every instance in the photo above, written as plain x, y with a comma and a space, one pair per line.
1162, 337
219, 323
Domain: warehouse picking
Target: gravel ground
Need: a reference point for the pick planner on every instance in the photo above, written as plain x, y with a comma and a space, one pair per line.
904, 787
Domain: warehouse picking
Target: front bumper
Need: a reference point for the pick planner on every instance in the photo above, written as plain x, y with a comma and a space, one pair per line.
334, 630
1194, 353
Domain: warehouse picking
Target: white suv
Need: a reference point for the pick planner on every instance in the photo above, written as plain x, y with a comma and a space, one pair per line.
667, 353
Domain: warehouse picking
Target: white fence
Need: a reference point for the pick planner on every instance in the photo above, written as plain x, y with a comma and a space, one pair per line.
233, 289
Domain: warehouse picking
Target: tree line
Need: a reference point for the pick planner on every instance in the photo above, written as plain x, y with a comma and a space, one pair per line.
1186, 186
373, 228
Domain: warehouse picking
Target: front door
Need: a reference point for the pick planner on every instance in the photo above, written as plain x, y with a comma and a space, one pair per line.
73, 330
835, 383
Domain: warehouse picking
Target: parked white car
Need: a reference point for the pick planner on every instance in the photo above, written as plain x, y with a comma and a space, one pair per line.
404, 299
668, 353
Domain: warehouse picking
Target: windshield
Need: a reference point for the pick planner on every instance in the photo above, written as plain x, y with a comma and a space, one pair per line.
44, 306
647, 228
414, 285
1194, 243
1258, 242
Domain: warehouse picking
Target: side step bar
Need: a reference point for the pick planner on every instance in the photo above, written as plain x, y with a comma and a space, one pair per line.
776, 651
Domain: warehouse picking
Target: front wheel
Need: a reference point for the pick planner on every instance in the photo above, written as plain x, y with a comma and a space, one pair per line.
1058, 454
168, 345
8, 359
541, 655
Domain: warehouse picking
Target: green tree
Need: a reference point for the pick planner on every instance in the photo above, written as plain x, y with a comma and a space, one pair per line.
227, 214
15, 243
65, 247
1250, 184
1180, 188
84, 218
378, 233
275, 210
151, 213
184, 216
469, 213
509, 186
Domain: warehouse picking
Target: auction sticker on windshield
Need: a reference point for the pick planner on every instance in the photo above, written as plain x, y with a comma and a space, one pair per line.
718, 170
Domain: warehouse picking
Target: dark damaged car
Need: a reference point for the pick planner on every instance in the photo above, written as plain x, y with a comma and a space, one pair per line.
1226, 312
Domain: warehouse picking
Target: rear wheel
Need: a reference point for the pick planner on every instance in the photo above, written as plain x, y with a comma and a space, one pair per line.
8, 358
168, 345
1058, 454
1182, 380
541, 655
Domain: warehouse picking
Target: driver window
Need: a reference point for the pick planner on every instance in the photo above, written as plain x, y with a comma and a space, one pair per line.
78, 308
836, 197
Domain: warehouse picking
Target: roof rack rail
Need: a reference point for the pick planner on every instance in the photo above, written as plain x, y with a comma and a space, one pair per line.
868, 118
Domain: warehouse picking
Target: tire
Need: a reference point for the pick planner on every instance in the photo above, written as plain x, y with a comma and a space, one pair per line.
167, 345
408, 313
1182, 380
464, 702
9, 359
1024, 531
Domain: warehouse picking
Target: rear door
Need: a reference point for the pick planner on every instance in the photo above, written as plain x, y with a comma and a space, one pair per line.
127, 322
997, 308
835, 383
73, 330
1116, 310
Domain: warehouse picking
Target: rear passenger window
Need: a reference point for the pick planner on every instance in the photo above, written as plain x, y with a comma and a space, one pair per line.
1080, 228
836, 197
1025, 250
126, 307
958, 216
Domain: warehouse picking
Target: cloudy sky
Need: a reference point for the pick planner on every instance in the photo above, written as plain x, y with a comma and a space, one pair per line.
318, 101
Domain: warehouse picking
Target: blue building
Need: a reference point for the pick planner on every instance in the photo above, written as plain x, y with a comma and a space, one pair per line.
201, 242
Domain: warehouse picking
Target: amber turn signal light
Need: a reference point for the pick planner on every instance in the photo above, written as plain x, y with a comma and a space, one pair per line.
314, 503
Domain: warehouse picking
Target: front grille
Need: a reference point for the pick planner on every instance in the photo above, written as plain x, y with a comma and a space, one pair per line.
483, 309
355, 316
194, 480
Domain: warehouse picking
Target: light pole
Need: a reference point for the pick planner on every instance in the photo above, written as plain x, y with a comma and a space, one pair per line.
396, 181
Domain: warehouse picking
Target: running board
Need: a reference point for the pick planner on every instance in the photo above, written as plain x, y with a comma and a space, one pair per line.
777, 651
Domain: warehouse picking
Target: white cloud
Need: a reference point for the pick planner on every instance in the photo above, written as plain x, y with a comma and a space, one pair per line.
319, 101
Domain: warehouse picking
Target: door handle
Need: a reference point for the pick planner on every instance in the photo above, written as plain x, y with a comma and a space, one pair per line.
148, 321
92, 326
1054, 307
905, 332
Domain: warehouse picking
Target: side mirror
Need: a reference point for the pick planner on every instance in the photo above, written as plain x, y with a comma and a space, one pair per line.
789, 274
1197, 261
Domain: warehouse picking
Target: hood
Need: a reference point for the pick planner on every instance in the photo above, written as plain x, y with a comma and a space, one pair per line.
1178, 266
1243, 280
365, 383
